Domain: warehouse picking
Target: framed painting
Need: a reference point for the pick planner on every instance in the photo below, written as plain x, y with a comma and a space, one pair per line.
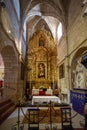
61, 71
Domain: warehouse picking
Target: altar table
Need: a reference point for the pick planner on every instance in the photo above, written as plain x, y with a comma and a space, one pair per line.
41, 99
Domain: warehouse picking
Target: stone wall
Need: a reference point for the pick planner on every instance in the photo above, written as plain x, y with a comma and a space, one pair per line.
74, 38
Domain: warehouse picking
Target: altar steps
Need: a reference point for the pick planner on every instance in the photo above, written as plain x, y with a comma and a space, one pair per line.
6, 108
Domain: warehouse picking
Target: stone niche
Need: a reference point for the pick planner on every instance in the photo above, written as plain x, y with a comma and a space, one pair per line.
41, 63
79, 73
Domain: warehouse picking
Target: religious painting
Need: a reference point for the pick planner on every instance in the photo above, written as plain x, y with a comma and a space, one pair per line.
61, 71
41, 70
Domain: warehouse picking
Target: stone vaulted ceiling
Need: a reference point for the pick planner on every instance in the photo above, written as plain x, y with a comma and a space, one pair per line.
38, 13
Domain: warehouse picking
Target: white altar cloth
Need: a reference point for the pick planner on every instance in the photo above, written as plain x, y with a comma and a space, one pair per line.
41, 99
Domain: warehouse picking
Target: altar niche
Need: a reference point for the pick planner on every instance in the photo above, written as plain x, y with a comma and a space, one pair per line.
80, 76
41, 70
41, 42
41, 60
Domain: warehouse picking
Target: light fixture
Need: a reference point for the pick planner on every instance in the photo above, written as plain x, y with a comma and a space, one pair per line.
9, 31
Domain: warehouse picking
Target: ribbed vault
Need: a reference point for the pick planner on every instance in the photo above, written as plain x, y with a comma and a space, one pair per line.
51, 12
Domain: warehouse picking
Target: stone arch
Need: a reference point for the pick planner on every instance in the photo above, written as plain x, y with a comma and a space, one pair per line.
10, 60
77, 58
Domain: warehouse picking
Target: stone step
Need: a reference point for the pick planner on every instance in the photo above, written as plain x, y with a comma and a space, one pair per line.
4, 101
6, 108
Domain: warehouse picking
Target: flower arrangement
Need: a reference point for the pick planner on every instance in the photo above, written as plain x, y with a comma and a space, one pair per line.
43, 88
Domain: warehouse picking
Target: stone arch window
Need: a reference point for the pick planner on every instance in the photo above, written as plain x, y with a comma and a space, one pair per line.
59, 31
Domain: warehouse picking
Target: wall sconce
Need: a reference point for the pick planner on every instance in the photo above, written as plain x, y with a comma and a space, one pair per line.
2, 3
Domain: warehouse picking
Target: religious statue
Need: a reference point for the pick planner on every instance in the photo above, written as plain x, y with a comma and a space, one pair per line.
80, 76
41, 70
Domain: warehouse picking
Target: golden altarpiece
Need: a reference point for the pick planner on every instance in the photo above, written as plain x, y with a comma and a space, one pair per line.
41, 61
